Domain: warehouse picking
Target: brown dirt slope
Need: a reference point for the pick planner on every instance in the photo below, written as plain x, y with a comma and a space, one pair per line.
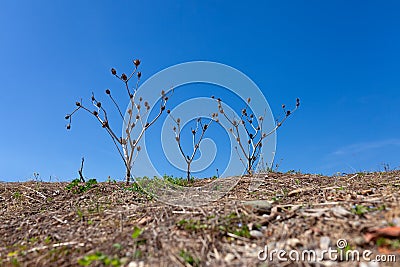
43, 224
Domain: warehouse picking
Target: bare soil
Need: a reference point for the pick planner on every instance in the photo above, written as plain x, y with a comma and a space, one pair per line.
43, 224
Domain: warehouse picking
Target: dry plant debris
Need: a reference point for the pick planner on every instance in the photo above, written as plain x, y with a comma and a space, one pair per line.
111, 224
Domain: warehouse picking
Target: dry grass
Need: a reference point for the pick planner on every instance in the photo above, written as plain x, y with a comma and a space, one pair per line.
42, 224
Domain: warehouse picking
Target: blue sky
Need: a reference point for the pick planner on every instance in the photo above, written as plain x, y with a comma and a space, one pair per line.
341, 58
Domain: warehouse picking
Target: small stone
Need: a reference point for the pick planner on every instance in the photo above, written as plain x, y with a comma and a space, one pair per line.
256, 233
258, 206
229, 257
324, 243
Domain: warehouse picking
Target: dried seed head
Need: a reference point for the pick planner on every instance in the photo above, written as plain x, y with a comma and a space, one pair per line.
249, 141
77, 104
177, 138
98, 104
162, 108
258, 128
93, 98
129, 111
108, 91
174, 128
260, 118
248, 100
139, 74
138, 106
140, 98
251, 115
230, 129
113, 71
67, 117
234, 123
104, 124
124, 77
287, 113
162, 92
95, 113
283, 106
279, 124
238, 139
136, 62
168, 111
166, 98
137, 117
139, 148
260, 144
297, 102
196, 146
68, 126
264, 135
193, 132
178, 120
251, 136
146, 103
146, 125
212, 97
244, 111
131, 96
205, 127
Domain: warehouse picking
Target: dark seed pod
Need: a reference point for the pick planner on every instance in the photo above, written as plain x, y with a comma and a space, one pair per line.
288, 113
193, 132
205, 127
95, 113
124, 77
162, 108
113, 71
108, 91
168, 111
251, 136
67, 117
136, 62
68, 126
98, 104
283, 106
77, 104
139, 74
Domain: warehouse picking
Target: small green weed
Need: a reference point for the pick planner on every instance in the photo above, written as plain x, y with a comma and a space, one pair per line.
76, 186
99, 257
178, 180
188, 258
359, 209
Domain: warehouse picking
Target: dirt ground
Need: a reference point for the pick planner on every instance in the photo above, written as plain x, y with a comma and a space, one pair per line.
109, 224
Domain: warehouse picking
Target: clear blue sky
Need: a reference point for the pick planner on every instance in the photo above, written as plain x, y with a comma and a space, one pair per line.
341, 58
